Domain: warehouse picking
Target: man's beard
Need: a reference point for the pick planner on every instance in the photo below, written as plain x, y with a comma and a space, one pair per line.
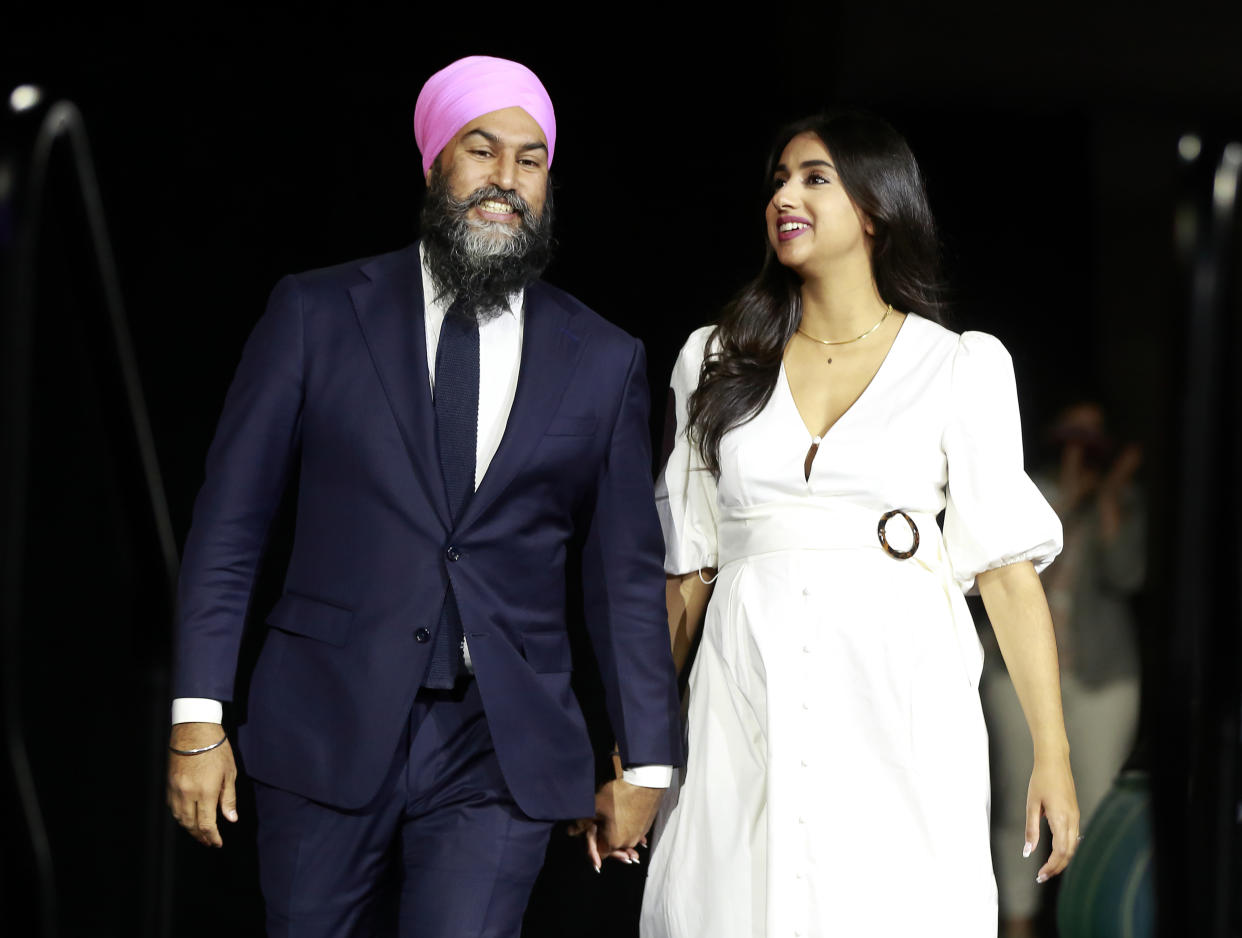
482, 263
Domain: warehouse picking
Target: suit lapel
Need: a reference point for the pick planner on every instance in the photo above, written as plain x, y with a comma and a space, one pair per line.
390, 313
550, 353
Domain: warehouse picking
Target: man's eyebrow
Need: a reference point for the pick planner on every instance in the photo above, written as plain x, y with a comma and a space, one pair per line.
496, 142
489, 137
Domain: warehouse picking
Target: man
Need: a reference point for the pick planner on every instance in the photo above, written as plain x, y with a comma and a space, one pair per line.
461, 428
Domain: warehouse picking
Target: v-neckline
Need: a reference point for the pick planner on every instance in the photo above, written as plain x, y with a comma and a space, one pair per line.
797, 413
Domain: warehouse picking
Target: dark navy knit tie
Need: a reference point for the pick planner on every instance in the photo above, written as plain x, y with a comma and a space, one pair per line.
457, 433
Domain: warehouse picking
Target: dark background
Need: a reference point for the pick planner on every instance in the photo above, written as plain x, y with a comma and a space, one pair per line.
235, 144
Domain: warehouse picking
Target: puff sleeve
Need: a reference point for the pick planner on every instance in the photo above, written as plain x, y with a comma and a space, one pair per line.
686, 491
994, 515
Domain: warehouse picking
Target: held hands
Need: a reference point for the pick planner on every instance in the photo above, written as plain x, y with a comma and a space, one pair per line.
1051, 794
198, 784
623, 815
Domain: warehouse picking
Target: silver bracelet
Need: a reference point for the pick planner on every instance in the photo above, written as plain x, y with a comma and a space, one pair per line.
194, 752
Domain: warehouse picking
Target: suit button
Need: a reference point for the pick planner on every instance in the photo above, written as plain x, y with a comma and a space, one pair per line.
422, 636
453, 554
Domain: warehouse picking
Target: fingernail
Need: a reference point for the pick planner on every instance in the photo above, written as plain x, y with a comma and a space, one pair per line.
1041, 878
1027, 848
597, 869
637, 860
232, 815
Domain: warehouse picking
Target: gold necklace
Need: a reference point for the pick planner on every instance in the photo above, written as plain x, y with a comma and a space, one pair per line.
848, 341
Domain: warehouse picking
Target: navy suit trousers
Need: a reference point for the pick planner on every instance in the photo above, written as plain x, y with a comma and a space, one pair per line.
442, 851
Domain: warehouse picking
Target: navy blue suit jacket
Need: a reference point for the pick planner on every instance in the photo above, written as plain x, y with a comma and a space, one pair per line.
334, 377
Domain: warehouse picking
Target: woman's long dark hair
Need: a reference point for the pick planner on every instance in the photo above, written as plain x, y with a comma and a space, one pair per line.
879, 174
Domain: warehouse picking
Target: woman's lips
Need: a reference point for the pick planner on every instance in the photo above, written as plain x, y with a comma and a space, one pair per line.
789, 227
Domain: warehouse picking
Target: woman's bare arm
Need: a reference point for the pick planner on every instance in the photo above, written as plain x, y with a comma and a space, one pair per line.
686, 597
1015, 602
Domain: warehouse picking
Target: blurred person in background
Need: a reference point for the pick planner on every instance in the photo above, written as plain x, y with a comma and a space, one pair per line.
1089, 481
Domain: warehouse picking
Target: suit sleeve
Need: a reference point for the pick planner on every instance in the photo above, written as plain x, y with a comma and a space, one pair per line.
623, 585
247, 466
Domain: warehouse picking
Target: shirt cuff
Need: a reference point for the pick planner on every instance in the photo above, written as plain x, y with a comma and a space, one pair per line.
649, 776
197, 710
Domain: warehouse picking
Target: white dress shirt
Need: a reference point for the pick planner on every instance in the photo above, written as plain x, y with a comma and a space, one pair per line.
500, 356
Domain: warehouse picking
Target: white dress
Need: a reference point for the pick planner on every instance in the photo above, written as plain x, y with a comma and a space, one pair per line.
836, 781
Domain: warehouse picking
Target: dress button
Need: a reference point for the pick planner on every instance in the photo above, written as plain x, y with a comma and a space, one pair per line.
805, 705
806, 591
798, 875
801, 820
804, 763
806, 649
452, 553
422, 636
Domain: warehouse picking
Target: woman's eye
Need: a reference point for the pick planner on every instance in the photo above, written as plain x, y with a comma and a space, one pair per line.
816, 179
777, 183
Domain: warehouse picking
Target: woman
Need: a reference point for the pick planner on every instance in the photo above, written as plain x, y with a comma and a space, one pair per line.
837, 772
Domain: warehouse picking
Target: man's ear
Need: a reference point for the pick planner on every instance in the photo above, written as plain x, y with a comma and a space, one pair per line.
433, 168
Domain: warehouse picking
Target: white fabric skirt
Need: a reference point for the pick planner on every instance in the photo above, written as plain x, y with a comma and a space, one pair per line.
837, 772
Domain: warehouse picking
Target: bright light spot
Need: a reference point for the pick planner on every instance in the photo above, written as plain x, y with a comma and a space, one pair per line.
1225, 189
24, 97
1189, 147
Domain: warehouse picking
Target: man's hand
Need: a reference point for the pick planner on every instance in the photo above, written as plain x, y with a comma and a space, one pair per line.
197, 784
624, 814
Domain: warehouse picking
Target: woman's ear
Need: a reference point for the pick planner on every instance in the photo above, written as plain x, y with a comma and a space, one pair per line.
864, 220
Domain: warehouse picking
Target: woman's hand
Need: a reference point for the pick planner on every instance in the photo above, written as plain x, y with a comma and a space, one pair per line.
1051, 794
589, 827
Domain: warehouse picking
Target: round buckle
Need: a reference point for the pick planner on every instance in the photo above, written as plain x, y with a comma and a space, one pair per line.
914, 529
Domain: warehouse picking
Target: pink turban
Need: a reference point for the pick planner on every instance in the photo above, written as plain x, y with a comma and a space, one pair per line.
471, 87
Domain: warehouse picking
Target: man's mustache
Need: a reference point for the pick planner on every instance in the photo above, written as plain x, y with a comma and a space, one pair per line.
497, 194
